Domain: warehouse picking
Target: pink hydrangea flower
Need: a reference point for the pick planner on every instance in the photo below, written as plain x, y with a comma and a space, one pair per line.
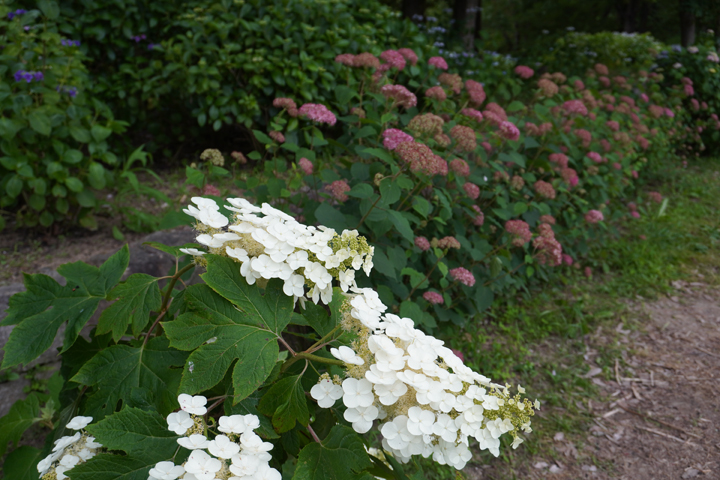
548, 87
288, 104
347, 59
579, 85
524, 72
465, 138
366, 60
476, 92
594, 216
644, 98
211, 190
448, 242
613, 125
317, 113
567, 259
337, 189
544, 189
472, 113
688, 89
487, 147
570, 176
585, 136
520, 232
409, 55
575, 107
509, 131
436, 93
438, 62
601, 69
433, 298
422, 243
460, 167
635, 214
392, 137
306, 166
595, 157
617, 166
549, 250
393, 58
472, 190
479, 219
588, 272
655, 197
421, 158
402, 96
463, 276
549, 219
277, 136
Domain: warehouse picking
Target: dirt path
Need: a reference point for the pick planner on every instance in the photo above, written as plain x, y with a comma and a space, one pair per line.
658, 414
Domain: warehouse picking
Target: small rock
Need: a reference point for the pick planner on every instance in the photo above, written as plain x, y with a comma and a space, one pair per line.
593, 371
559, 437
554, 469
589, 468
690, 473
541, 465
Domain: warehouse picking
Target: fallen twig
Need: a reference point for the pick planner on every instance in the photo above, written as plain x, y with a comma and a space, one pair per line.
659, 421
707, 351
656, 432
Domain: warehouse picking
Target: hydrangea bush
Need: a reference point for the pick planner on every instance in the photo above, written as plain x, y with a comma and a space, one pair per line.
276, 361
465, 199
54, 132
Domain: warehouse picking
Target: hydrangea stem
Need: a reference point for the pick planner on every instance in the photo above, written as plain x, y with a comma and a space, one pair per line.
313, 358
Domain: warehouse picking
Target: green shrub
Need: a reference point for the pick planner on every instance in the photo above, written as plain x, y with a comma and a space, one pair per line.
358, 181
54, 131
576, 52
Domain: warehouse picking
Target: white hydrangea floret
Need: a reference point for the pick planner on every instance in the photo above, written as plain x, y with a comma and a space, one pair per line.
194, 405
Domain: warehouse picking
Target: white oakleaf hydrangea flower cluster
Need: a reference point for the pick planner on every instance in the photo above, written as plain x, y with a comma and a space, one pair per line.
69, 451
236, 453
427, 401
275, 245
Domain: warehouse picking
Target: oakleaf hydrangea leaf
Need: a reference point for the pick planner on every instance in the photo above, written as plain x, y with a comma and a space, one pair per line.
46, 305
136, 298
285, 402
22, 415
341, 455
115, 371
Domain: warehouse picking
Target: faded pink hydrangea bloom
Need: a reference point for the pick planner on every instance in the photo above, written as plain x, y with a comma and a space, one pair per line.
588, 272
548, 87
517, 182
579, 85
401, 96
433, 298
575, 107
635, 214
655, 197
422, 243
472, 190
570, 176
594, 216
277, 136
465, 138
519, 231
476, 92
409, 55
531, 130
669, 113
366, 60
601, 69
613, 125
479, 219
239, 157
448, 242
317, 113
567, 259
549, 250
607, 147
524, 72
544, 189
436, 93
452, 80
288, 104
509, 131
463, 276
472, 113
211, 190
438, 62
393, 58
585, 136
357, 111
392, 137
644, 98
337, 189
595, 157
549, 219
688, 89
443, 140
306, 166
605, 81
460, 167
617, 166
488, 148
427, 123
421, 158
635, 174
346, 59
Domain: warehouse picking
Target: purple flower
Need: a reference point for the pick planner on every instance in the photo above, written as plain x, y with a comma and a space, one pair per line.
152, 45
21, 75
70, 43
139, 38
38, 76
17, 12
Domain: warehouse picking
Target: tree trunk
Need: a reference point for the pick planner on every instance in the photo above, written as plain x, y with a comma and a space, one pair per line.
413, 7
687, 26
465, 14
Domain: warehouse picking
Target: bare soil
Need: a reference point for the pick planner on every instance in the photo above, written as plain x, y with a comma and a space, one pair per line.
658, 415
